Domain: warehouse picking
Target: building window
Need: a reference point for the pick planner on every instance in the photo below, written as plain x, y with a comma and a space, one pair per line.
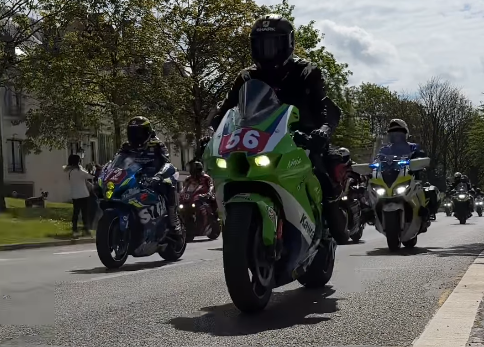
15, 156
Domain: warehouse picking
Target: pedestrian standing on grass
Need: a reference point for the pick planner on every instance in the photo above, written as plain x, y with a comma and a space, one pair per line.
78, 177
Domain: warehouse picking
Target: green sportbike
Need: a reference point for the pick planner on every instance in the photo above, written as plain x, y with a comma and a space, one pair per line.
270, 200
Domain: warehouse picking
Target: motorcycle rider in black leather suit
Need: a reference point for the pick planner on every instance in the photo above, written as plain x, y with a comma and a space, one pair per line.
152, 155
296, 82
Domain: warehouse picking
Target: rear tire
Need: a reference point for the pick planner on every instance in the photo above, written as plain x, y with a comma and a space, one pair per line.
392, 224
242, 235
410, 243
176, 247
321, 269
107, 225
462, 220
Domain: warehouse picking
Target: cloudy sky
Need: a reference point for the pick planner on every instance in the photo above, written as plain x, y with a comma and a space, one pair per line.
403, 43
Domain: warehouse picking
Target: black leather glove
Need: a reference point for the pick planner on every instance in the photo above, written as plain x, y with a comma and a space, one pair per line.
300, 138
320, 137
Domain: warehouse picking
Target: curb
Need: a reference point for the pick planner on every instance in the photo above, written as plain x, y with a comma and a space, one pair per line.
57, 243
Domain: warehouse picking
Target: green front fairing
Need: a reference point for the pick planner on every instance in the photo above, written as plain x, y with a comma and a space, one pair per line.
269, 226
289, 169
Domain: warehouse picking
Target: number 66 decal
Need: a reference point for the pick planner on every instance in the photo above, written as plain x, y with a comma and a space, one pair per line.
244, 140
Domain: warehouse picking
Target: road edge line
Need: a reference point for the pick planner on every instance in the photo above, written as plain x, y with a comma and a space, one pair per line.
452, 324
18, 246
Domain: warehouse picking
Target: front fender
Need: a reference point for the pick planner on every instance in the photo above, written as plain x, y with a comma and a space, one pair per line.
122, 210
267, 211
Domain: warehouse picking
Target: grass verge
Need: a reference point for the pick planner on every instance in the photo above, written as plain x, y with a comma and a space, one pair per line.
24, 225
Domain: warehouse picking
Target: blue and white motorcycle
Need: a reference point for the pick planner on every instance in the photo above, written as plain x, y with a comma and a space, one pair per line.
135, 219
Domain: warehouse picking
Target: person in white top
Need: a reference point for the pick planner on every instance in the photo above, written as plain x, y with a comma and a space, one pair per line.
77, 176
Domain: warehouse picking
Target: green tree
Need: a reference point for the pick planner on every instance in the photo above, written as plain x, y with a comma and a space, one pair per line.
101, 63
18, 30
209, 41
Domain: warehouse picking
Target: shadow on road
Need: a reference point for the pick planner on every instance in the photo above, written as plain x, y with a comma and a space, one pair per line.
201, 240
126, 267
351, 243
402, 252
216, 249
289, 308
466, 250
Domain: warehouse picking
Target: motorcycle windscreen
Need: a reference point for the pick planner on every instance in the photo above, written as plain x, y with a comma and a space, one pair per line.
257, 103
249, 126
390, 172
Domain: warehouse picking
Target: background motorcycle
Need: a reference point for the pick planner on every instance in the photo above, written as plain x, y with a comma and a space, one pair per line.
397, 198
135, 218
191, 215
448, 207
350, 203
462, 203
479, 205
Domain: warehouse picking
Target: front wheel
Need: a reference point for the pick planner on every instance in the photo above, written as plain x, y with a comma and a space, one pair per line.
243, 252
342, 234
111, 244
216, 229
392, 230
356, 237
463, 220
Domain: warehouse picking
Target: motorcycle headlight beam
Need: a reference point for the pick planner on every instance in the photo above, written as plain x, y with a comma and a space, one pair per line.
221, 163
400, 190
379, 190
461, 196
262, 160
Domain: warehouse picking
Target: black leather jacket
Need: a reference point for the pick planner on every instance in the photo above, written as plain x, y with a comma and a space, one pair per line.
299, 83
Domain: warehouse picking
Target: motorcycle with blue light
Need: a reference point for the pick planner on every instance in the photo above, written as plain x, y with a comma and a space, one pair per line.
397, 198
135, 218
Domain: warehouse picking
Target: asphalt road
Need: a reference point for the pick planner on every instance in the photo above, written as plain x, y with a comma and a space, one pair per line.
64, 297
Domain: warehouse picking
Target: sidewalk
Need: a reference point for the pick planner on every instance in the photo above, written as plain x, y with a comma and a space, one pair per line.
459, 322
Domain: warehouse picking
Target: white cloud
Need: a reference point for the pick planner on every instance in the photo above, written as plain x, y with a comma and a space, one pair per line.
403, 43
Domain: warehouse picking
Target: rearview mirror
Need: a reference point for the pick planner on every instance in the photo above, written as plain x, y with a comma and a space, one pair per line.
362, 169
419, 164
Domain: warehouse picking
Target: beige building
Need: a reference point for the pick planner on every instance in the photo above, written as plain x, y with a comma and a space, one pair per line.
30, 174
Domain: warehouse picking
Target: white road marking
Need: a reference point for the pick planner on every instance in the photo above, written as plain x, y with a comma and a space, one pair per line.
75, 252
452, 324
13, 259
121, 274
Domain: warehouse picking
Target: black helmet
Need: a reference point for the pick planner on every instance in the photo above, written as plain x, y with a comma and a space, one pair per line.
196, 168
139, 131
426, 184
272, 41
465, 178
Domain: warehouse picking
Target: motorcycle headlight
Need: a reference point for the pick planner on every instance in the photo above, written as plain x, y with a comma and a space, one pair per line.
344, 198
193, 205
262, 160
180, 206
379, 190
221, 163
447, 204
400, 190
461, 196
